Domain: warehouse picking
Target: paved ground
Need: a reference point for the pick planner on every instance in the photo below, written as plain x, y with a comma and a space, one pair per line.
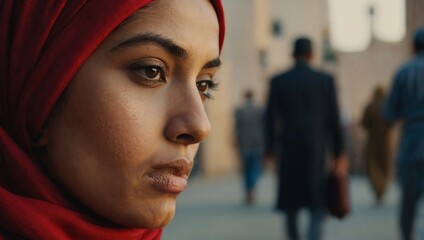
212, 209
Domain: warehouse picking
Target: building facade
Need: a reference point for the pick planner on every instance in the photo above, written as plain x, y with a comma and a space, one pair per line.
258, 45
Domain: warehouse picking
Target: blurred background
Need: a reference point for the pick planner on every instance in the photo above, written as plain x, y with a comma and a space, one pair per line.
362, 43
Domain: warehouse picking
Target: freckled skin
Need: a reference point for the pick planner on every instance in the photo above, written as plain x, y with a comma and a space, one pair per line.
110, 128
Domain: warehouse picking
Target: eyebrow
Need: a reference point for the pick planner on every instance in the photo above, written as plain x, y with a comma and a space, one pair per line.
165, 43
213, 64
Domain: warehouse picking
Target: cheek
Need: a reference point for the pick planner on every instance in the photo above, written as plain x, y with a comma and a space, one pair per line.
104, 139
106, 134
117, 129
119, 124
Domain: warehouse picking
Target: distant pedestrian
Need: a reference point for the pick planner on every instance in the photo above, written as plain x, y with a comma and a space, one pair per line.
406, 103
249, 132
302, 122
378, 166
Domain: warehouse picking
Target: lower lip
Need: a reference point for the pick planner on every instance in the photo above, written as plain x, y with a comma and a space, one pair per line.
168, 182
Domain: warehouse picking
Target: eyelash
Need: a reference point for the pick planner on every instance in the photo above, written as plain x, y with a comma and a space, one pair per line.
211, 85
139, 69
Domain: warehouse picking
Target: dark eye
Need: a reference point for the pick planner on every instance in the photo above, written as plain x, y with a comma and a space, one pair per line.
148, 74
151, 72
204, 86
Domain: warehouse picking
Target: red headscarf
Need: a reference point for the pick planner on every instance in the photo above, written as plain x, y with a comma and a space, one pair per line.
42, 45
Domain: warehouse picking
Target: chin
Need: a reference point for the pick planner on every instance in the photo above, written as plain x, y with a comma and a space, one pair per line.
155, 215
159, 223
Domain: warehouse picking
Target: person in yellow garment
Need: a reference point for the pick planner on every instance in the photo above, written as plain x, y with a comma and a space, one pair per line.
377, 161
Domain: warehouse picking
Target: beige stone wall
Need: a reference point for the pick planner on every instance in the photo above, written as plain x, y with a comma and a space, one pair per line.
358, 73
239, 71
415, 14
249, 32
299, 18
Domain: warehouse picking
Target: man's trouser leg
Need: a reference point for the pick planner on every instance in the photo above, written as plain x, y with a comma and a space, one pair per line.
316, 224
291, 224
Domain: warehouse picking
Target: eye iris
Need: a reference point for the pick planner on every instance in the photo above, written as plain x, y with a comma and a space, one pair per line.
202, 86
151, 72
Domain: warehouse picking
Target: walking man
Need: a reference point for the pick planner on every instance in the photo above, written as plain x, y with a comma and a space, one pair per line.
249, 133
302, 126
406, 103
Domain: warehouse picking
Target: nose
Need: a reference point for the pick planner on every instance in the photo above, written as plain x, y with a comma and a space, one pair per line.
189, 123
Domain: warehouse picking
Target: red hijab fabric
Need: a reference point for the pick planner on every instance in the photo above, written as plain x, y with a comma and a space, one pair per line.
42, 45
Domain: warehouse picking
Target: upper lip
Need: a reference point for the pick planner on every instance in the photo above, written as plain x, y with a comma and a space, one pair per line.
179, 167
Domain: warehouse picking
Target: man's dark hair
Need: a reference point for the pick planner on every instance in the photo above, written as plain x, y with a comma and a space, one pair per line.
248, 94
419, 40
302, 47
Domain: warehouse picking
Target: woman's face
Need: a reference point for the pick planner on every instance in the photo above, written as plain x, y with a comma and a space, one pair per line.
124, 138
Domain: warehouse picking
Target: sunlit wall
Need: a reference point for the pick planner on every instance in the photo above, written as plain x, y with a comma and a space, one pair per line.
254, 51
354, 23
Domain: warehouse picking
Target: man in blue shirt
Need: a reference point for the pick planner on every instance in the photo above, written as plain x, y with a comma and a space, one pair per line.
406, 103
249, 133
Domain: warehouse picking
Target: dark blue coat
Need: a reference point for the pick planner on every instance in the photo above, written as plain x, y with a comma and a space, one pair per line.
303, 128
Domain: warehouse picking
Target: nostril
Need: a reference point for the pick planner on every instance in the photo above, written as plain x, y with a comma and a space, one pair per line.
186, 138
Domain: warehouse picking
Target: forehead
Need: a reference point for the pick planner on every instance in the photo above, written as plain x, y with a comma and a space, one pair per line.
191, 24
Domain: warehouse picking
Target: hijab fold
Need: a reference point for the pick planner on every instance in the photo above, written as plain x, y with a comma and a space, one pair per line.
42, 45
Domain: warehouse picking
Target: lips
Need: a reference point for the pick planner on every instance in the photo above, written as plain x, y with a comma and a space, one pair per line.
171, 176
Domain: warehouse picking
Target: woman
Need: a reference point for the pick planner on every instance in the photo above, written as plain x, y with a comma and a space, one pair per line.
378, 165
101, 113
